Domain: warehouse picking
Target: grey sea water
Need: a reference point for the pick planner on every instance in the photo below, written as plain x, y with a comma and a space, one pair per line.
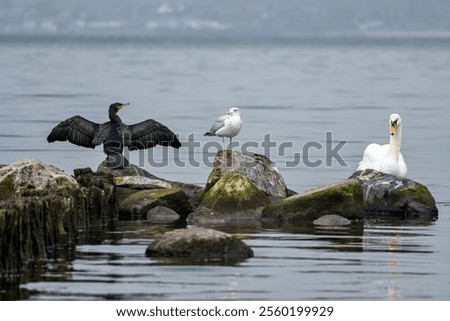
295, 92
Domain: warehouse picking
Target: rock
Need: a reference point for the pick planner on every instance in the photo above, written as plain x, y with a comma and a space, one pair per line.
42, 208
232, 198
130, 170
162, 214
332, 220
239, 186
199, 245
395, 196
7, 189
99, 190
32, 227
133, 176
258, 169
141, 182
138, 178
137, 205
33, 174
344, 198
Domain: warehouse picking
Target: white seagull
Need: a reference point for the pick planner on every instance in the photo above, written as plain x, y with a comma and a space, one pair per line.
387, 158
228, 125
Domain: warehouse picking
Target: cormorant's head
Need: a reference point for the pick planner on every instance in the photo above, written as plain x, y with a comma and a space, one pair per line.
114, 108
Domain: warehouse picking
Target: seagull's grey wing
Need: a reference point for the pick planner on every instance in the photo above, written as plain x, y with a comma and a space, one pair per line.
218, 124
77, 130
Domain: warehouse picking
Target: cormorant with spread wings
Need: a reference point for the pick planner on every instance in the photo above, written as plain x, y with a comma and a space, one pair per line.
114, 135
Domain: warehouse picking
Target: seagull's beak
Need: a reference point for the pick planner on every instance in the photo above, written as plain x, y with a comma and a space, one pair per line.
394, 127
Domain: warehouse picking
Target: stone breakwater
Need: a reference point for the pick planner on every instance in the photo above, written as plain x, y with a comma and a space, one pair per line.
42, 208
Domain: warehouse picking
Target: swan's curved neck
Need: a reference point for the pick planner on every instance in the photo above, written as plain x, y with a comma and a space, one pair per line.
395, 143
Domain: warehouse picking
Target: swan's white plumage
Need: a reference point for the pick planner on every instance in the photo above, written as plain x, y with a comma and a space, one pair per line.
387, 158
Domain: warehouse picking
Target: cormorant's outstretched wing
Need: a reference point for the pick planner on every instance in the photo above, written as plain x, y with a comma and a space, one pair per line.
218, 124
77, 130
149, 133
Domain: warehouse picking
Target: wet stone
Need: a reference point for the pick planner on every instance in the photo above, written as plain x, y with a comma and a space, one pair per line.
199, 245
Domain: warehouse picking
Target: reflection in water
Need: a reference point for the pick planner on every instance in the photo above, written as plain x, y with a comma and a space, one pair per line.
360, 261
397, 240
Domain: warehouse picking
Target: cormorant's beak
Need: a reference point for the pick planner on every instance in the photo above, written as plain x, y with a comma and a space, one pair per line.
394, 127
123, 105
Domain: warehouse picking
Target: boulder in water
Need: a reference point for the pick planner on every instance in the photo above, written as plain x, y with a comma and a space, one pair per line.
199, 244
391, 195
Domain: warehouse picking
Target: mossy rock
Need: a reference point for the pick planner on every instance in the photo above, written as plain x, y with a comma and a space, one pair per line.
258, 169
35, 175
233, 190
404, 200
344, 198
394, 196
31, 227
137, 205
232, 198
42, 208
7, 188
101, 201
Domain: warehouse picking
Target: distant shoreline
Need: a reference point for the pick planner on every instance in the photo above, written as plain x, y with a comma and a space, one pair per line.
386, 38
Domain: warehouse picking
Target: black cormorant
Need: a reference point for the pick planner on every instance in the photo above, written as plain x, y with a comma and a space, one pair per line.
114, 135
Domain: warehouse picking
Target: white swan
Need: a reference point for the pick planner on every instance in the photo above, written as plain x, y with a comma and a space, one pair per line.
387, 158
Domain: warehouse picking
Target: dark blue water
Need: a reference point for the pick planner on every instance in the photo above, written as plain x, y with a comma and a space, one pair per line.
296, 93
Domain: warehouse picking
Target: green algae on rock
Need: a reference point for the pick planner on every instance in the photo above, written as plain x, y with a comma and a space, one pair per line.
137, 205
257, 168
390, 195
344, 198
45, 208
232, 198
239, 186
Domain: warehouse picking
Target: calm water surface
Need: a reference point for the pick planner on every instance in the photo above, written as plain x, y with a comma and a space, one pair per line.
294, 92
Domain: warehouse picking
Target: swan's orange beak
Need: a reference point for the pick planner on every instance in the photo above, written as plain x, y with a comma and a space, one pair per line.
393, 128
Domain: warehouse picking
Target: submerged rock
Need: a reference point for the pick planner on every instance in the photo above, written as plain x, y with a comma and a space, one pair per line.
397, 196
344, 198
199, 245
162, 214
332, 220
